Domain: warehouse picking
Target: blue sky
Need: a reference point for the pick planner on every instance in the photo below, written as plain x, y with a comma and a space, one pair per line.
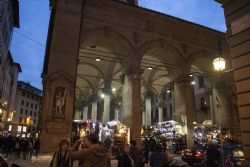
28, 42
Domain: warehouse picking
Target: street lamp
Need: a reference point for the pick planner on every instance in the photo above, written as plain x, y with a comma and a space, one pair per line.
219, 65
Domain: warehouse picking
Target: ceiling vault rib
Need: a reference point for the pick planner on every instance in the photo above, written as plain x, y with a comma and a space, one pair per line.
102, 59
88, 75
112, 57
105, 52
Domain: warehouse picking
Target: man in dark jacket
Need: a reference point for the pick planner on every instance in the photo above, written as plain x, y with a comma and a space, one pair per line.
158, 157
124, 159
213, 155
136, 154
92, 156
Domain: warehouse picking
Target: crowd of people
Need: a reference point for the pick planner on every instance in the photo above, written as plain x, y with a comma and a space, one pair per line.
89, 152
16, 147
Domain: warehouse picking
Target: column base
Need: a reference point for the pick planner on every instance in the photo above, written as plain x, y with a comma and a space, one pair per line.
52, 133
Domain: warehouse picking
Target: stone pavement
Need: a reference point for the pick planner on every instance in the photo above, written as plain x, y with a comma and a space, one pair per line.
43, 160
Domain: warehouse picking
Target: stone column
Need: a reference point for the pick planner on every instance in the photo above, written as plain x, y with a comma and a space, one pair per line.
160, 112
117, 110
132, 103
94, 111
169, 102
85, 112
185, 106
211, 105
77, 115
148, 107
106, 112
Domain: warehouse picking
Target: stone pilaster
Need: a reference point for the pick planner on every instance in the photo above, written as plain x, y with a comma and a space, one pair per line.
237, 15
58, 81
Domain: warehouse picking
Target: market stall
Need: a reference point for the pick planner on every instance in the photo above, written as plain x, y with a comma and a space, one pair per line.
209, 132
117, 132
82, 128
169, 133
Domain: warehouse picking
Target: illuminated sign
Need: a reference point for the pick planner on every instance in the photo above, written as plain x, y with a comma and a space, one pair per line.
24, 129
19, 128
10, 127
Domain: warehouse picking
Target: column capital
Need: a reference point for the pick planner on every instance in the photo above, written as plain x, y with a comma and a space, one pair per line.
85, 102
94, 98
107, 90
107, 83
161, 104
134, 72
148, 94
184, 80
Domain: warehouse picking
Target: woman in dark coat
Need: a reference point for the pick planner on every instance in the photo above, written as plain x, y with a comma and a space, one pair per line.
61, 157
125, 160
158, 158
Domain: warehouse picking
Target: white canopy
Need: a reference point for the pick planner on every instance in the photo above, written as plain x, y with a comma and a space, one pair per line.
170, 121
207, 122
114, 123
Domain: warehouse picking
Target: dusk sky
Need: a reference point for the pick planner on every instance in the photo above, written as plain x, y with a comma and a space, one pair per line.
28, 42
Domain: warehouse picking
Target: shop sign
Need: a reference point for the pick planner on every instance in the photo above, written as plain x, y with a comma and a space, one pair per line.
240, 24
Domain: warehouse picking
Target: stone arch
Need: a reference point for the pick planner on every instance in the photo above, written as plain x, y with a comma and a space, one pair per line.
201, 59
161, 44
89, 83
109, 39
95, 67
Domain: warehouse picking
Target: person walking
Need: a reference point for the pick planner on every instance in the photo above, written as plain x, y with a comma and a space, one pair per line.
136, 154
61, 157
30, 147
24, 146
124, 159
37, 147
17, 148
213, 155
158, 157
93, 155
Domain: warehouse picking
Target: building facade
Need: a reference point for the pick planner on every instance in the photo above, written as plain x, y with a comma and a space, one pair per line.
128, 63
9, 70
237, 14
27, 109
